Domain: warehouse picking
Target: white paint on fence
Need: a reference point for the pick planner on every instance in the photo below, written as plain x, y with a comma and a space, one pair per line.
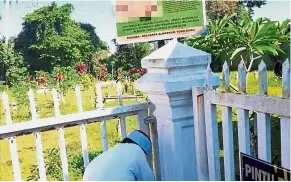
122, 125
142, 125
32, 105
285, 121
62, 143
84, 145
12, 140
227, 131
99, 95
82, 128
119, 94
6, 108
121, 122
37, 136
103, 123
242, 114
104, 136
212, 135
200, 134
39, 155
56, 103
263, 119
155, 144
14, 158
63, 154
78, 98
70, 119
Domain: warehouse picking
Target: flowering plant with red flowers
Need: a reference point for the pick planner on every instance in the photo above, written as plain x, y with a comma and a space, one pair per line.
81, 68
136, 73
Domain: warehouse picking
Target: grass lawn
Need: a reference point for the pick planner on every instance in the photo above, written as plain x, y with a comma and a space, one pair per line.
25, 144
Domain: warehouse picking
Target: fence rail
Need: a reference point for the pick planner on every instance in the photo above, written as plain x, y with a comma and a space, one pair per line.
205, 101
35, 126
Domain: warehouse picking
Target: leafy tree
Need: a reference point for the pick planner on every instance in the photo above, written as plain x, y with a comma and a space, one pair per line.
251, 4
12, 68
217, 42
99, 64
216, 10
130, 55
50, 37
94, 39
244, 39
254, 38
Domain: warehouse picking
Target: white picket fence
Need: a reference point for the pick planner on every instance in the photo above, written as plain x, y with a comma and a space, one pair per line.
35, 126
205, 101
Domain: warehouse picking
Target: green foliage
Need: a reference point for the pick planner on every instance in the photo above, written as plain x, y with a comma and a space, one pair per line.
12, 69
108, 77
85, 81
130, 55
54, 166
69, 80
19, 93
229, 40
51, 38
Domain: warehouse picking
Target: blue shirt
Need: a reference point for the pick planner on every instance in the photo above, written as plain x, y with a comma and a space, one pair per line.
123, 162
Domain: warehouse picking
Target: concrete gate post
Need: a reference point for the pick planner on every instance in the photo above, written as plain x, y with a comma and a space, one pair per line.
172, 71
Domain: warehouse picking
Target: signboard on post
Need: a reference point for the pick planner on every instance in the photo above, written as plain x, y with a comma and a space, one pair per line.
150, 20
253, 169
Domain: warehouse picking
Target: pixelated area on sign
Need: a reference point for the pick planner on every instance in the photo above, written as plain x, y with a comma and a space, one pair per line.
137, 10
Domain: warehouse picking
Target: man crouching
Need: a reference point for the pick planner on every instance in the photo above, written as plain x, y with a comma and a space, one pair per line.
126, 161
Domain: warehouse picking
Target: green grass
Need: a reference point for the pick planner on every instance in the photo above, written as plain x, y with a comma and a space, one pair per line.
25, 144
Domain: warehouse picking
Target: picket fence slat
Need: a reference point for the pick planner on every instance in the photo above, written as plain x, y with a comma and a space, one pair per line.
263, 119
104, 136
37, 137
122, 125
142, 125
62, 142
242, 114
227, 131
39, 155
121, 122
286, 122
6, 108
100, 106
155, 144
200, 134
99, 95
212, 134
119, 94
56, 103
82, 128
84, 144
63, 154
12, 140
15, 159
32, 105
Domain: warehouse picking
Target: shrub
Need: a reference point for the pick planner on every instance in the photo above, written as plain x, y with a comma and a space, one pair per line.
136, 73
85, 80
81, 68
54, 166
108, 77
64, 78
100, 71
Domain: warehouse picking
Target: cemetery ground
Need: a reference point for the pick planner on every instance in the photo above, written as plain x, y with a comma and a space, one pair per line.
26, 148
